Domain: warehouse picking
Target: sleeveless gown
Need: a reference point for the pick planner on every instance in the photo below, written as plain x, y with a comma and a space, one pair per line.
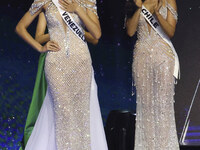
70, 117
153, 68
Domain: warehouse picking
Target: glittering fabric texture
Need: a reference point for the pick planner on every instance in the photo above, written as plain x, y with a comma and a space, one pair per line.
68, 73
89, 4
173, 11
37, 5
153, 68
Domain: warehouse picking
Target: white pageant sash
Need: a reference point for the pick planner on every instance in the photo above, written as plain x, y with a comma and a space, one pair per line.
70, 22
156, 26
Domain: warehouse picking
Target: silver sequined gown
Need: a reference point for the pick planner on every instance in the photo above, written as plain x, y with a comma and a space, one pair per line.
153, 68
67, 120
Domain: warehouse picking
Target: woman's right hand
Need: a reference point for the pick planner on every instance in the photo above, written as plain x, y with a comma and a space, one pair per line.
151, 5
50, 46
138, 3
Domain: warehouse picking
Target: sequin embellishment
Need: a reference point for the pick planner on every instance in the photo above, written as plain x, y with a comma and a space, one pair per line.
68, 73
153, 66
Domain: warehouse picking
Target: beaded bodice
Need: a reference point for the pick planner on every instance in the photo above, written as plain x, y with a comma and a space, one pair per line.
150, 38
58, 30
144, 33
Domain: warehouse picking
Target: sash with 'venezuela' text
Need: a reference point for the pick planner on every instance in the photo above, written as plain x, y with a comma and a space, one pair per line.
70, 22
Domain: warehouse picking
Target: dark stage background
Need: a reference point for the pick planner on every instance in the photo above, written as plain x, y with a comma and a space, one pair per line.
112, 60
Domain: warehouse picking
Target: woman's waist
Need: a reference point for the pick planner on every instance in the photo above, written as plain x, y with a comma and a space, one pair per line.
69, 47
152, 42
153, 47
68, 43
148, 37
71, 51
68, 57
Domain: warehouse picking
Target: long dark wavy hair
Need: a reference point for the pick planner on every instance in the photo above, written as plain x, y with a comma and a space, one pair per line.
129, 8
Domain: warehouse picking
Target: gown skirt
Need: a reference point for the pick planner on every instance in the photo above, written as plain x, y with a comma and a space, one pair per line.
44, 130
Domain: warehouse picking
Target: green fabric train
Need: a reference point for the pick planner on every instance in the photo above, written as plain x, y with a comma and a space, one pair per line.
39, 93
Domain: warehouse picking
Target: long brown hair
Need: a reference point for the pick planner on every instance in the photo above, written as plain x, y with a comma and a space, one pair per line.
129, 8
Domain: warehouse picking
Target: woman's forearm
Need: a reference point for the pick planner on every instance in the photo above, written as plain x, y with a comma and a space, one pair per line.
42, 38
132, 23
91, 26
89, 38
22, 32
168, 29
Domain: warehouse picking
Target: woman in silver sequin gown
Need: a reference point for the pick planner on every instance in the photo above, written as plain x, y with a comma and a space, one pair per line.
70, 115
153, 68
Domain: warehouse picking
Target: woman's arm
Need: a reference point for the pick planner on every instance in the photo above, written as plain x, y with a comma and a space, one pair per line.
168, 25
21, 30
90, 20
40, 35
89, 38
132, 23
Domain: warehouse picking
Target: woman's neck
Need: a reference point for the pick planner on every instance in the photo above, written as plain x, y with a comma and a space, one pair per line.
153, 2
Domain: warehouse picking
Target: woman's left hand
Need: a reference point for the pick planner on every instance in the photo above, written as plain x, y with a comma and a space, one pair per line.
159, 5
69, 6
